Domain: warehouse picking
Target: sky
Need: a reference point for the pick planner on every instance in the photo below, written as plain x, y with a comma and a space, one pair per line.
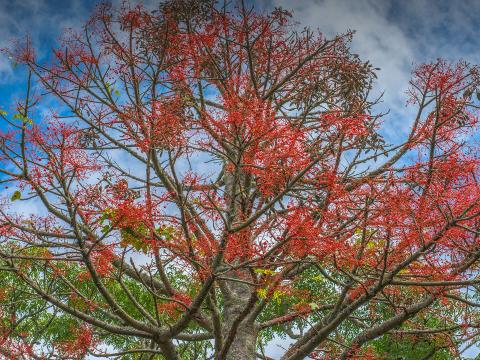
393, 34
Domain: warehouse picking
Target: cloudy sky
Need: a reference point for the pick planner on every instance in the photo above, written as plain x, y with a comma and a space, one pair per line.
393, 34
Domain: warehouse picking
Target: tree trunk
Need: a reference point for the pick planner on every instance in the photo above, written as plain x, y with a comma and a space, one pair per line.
243, 335
239, 333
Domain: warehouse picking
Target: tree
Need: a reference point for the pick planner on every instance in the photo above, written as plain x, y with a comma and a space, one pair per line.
210, 178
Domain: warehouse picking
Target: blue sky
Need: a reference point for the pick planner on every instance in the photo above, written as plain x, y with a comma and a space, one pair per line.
393, 34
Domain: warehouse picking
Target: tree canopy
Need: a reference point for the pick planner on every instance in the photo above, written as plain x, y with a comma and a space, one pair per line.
202, 180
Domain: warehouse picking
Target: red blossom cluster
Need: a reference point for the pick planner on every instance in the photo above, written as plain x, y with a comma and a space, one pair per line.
83, 339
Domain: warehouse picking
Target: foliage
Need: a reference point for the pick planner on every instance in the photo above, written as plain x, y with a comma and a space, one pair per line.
207, 179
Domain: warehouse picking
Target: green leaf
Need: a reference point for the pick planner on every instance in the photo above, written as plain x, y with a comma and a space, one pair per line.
134, 238
111, 89
265, 272
3, 112
106, 215
16, 195
23, 118
167, 232
262, 293
277, 296
313, 306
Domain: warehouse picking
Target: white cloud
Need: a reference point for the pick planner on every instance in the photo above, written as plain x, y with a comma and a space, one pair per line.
377, 39
38, 19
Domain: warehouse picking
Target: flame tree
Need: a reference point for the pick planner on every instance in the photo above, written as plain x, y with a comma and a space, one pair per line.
207, 178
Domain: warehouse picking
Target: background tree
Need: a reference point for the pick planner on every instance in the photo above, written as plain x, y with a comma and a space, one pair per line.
210, 178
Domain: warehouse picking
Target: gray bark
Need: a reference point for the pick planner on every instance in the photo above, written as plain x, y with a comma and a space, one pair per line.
239, 332
243, 345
